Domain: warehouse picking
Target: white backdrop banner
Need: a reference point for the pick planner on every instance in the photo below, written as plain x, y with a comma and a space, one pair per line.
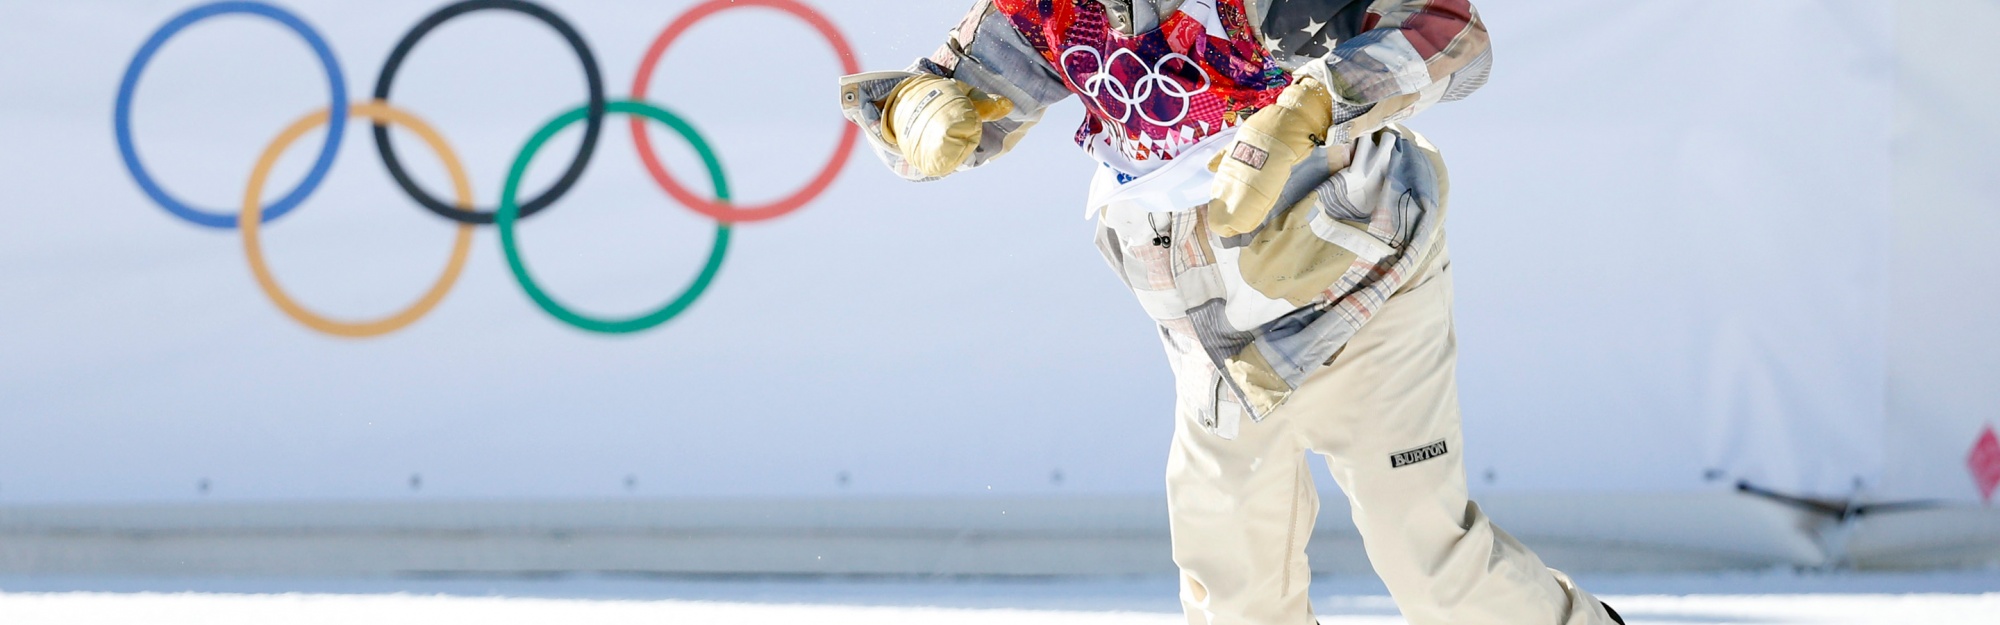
1669, 232
1944, 353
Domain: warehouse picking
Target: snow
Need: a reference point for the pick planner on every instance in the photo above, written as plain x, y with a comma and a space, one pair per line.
1779, 597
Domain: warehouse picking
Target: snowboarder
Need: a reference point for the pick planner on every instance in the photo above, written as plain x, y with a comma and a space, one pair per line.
1259, 194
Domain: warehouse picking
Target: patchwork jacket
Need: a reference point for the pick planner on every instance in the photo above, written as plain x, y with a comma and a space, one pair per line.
1244, 320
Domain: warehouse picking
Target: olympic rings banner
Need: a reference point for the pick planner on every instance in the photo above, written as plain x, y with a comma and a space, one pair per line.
309, 249
512, 209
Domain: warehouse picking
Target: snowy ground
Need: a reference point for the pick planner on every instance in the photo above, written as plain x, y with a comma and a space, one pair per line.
1771, 598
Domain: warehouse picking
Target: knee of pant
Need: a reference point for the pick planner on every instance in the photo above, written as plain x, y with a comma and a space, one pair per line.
1427, 541
1416, 513
1232, 486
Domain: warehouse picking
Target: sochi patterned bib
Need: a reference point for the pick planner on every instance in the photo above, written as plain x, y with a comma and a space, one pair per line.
1152, 95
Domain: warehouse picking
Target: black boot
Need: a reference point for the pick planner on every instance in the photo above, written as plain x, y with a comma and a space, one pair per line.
1613, 613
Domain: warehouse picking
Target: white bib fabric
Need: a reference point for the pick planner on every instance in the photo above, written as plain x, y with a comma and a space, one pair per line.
1178, 185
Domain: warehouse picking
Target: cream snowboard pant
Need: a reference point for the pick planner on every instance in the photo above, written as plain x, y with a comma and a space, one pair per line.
1385, 415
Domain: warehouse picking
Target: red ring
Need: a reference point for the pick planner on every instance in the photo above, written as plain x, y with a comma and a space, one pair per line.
701, 204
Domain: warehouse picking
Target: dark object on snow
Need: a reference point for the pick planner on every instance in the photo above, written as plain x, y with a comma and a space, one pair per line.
1614, 613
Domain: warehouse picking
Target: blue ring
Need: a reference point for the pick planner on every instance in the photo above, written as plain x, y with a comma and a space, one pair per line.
122, 116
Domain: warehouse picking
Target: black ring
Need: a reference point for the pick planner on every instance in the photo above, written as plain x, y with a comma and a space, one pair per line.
593, 122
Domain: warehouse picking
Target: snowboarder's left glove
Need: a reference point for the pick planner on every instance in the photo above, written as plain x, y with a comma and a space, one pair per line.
1252, 171
936, 121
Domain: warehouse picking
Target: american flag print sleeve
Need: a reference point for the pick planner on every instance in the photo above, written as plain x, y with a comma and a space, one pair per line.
1385, 60
1408, 46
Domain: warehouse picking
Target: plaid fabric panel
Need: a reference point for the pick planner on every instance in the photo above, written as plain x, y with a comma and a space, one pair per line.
1203, 301
1408, 211
1164, 257
1198, 385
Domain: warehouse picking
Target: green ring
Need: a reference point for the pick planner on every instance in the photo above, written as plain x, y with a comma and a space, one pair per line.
509, 212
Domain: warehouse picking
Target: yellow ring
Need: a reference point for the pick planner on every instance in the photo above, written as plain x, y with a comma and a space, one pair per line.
249, 220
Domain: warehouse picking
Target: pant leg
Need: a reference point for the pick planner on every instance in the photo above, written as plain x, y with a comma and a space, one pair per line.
1385, 414
1241, 510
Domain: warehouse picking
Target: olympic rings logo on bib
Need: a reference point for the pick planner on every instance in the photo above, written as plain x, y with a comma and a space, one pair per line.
251, 216
1100, 82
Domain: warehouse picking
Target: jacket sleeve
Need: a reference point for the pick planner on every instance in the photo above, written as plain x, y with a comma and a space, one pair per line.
984, 51
1402, 57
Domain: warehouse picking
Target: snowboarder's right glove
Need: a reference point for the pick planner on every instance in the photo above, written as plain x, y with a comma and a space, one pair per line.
935, 121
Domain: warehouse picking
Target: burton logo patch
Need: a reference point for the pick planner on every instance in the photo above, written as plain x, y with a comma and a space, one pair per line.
1402, 459
1250, 155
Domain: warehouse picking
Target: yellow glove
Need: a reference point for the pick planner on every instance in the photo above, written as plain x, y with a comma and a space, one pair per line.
935, 121
1251, 172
